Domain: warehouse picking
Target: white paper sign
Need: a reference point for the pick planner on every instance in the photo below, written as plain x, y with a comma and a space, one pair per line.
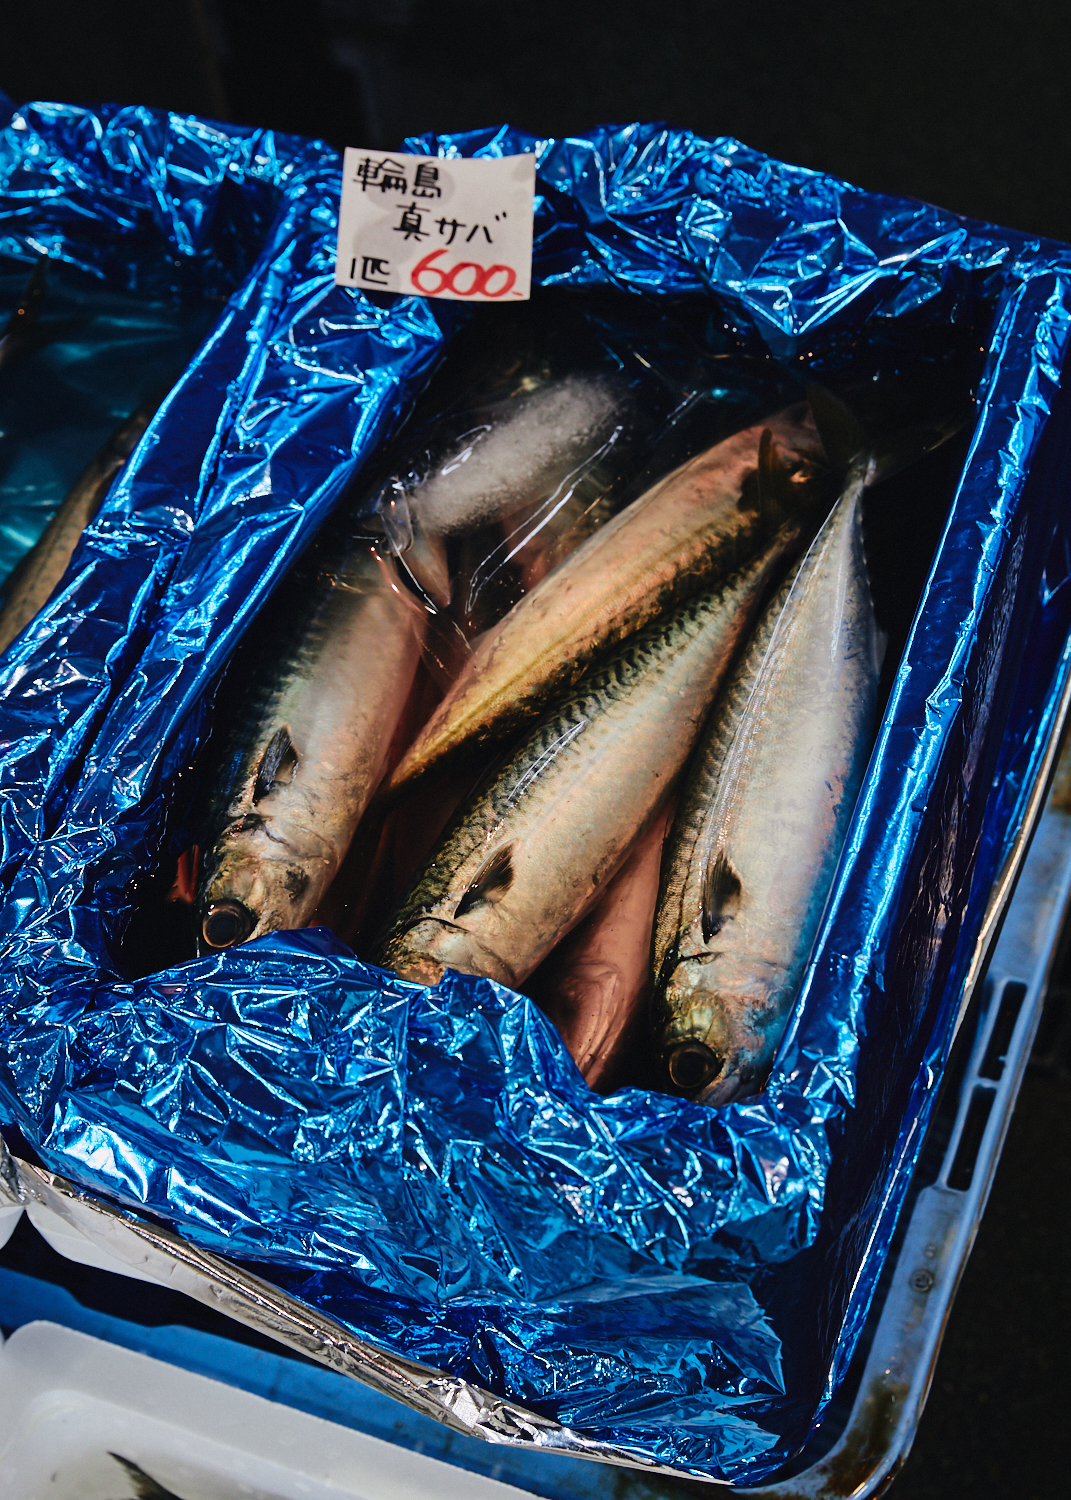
437, 226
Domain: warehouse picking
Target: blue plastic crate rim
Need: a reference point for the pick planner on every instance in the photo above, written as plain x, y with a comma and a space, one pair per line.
683, 1285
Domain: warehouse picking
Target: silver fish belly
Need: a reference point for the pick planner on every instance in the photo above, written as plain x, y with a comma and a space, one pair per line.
312, 752
531, 852
762, 819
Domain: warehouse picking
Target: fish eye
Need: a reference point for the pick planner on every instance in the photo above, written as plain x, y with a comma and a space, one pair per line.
226, 923
691, 1065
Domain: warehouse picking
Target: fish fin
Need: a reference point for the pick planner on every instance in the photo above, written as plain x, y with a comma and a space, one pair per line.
842, 437
775, 487
847, 444
145, 1486
247, 823
492, 880
721, 891
909, 444
279, 756
187, 876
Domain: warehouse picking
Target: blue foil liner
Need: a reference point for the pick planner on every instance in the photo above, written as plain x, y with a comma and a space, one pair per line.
428, 1165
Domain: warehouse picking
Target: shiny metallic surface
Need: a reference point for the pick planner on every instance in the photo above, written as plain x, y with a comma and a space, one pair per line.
136, 1248
425, 1168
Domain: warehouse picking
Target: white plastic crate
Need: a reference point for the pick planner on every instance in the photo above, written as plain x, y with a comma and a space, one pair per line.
70, 1403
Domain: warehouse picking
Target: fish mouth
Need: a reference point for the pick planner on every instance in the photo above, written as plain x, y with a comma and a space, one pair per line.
693, 1067
435, 944
226, 923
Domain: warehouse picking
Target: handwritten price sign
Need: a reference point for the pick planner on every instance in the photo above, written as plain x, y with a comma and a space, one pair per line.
437, 226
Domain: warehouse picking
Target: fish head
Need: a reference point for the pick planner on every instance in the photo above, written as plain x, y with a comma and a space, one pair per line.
421, 953
717, 1040
256, 884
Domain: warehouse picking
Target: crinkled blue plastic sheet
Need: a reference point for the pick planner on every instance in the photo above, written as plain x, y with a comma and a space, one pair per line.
173, 213
428, 1165
104, 353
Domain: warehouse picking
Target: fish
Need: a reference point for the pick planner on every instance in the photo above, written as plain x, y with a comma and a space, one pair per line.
509, 459
595, 986
314, 716
528, 478
145, 1486
532, 447
690, 529
36, 577
526, 436
762, 819
530, 852
364, 891
18, 335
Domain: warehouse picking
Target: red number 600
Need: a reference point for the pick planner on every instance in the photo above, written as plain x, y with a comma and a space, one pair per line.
448, 280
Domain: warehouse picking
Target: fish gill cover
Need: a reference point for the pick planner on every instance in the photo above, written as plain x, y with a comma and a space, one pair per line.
683, 1284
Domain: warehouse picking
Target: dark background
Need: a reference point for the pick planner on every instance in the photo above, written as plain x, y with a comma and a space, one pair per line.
963, 102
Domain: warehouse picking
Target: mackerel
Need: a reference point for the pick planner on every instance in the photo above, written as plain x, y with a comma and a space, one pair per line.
35, 579
532, 850
762, 819
530, 449
690, 530
310, 741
